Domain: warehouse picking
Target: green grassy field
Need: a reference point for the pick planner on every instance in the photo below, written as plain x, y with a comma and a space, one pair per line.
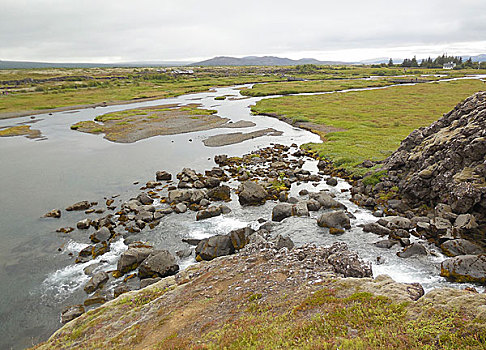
376, 121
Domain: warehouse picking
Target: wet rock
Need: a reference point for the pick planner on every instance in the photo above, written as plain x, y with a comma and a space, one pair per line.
148, 281
220, 193
300, 209
121, 289
54, 213
283, 242
281, 211
332, 181
88, 270
283, 196
79, 206
225, 209
71, 312
348, 264
326, 201
96, 298
303, 192
460, 246
337, 219
251, 193
180, 208
208, 213
100, 249
163, 176
213, 247
96, 282
102, 235
191, 241
152, 184
313, 205
399, 233
240, 237
221, 159
131, 258
159, 263
212, 182
386, 243
83, 224
65, 229
376, 228
184, 253
413, 250
144, 216
465, 223
465, 268
144, 199
293, 200
396, 222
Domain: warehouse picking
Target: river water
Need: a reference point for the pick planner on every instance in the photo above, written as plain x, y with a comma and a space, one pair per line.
38, 276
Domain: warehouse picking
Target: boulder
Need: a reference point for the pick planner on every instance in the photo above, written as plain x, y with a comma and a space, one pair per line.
102, 235
465, 223
119, 290
336, 219
54, 213
213, 247
283, 242
281, 211
160, 263
145, 216
208, 213
96, 282
376, 228
460, 246
220, 193
465, 268
212, 182
251, 193
386, 243
332, 181
313, 205
326, 201
148, 281
71, 312
131, 258
180, 208
83, 224
144, 199
300, 209
412, 250
396, 222
348, 264
240, 237
163, 176
79, 206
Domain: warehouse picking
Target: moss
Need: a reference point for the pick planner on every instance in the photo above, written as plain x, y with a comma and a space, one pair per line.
374, 178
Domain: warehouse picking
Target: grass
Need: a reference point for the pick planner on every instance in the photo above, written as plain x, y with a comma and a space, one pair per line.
376, 121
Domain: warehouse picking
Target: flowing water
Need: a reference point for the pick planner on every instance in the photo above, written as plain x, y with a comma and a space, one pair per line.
38, 276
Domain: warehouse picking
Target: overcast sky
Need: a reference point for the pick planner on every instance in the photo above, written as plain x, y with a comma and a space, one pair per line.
155, 30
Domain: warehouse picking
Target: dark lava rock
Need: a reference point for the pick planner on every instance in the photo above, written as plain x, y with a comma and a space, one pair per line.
158, 264
376, 228
83, 224
54, 213
336, 219
96, 281
251, 193
332, 181
281, 211
460, 246
213, 247
71, 312
465, 268
386, 243
79, 206
412, 250
131, 258
102, 235
240, 237
163, 176
300, 209
144, 199
208, 213
220, 193
326, 201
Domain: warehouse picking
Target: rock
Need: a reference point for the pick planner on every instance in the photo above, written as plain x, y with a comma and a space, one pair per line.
96, 282
399, 234
240, 237
54, 213
292, 200
413, 250
326, 201
83, 224
396, 222
191, 241
180, 208
220, 193
221, 159
71, 312
332, 181
184, 253
79, 206
376, 228
313, 205
96, 298
102, 235
300, 209
303, 192
337, 219
386, 243
160, 263
213, 247
251, 193
460, 247
144, 199
144, 216
65, 229
465, 223
225, 209
281, 211
465, 268
212, 182
131, 258
348, 263
283, 242
148, 281
163, 176
119, 290
208, 213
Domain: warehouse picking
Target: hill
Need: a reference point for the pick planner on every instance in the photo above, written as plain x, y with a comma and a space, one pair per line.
260, 61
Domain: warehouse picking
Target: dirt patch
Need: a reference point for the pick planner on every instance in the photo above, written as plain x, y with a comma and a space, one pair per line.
237, 137
239, 124
136, 124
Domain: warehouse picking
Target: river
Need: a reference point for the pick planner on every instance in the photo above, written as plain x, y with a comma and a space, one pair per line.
39, 277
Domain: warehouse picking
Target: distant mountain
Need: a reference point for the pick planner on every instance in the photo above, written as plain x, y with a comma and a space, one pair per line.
31, 65
478, 58
260, 61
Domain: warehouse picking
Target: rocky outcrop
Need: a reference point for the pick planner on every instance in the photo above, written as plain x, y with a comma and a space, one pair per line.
251, 193
160, 263
465, 268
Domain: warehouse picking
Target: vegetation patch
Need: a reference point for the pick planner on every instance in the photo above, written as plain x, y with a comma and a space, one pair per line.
374, 122
21, 130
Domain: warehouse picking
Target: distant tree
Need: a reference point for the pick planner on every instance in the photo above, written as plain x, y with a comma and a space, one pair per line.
390, 63
413, 62
469, 63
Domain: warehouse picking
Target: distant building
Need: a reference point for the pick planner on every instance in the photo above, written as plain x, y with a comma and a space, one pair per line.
449, 65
